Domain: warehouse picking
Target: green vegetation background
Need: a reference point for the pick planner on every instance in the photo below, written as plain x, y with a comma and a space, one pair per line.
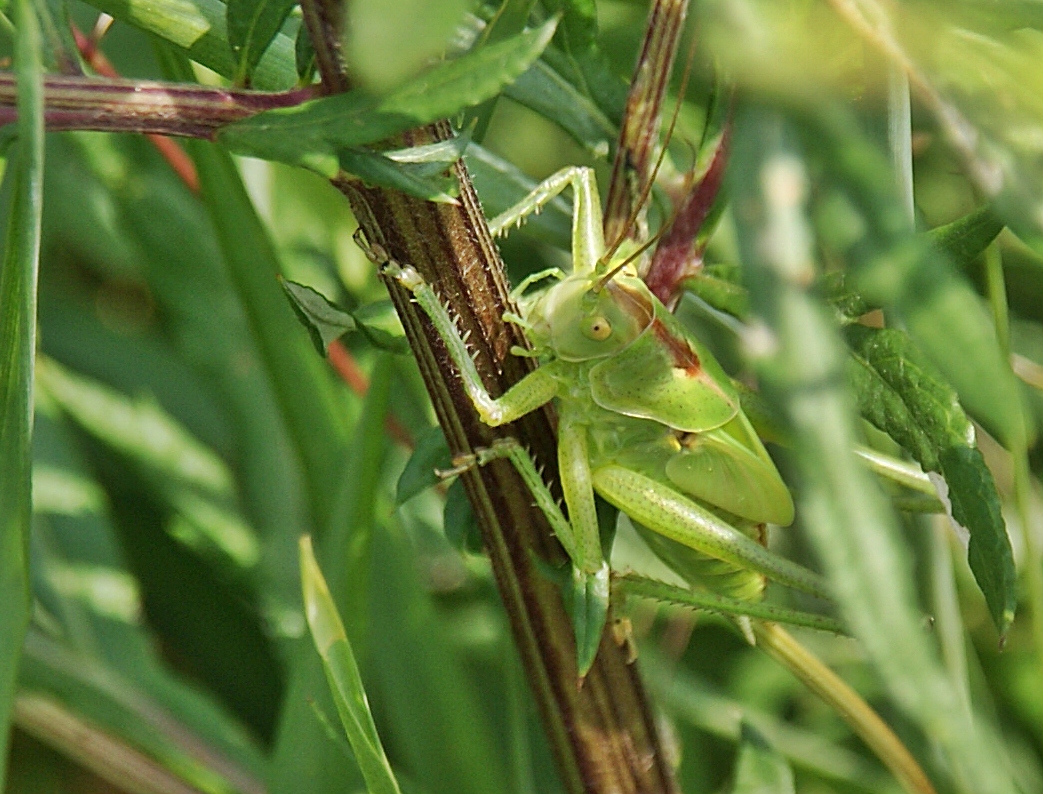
186, 434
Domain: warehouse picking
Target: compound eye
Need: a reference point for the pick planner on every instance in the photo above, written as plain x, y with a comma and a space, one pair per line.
597, 328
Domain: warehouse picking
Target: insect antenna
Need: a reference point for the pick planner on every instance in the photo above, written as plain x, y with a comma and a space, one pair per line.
601, 282
646, 191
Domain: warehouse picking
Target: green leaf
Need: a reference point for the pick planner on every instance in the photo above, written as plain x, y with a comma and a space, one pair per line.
414, 179
97, 657
355, 581
579, 26
197, 28
139, 428
544, 90
313, 134
902, 394
22, 206
902, 272
251, 27
759, 768
461, 528
194, 481
579, 42
966, 238
445, 689
327, 322
305, 392
421, 471
342, 672
975, 506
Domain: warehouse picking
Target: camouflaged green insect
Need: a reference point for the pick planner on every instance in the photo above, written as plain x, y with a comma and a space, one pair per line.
647, 419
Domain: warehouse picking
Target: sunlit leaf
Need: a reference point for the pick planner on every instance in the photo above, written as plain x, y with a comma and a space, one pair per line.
197, 27
342, 672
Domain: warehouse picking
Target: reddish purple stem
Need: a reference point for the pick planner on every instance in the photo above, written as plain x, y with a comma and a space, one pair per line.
109, 105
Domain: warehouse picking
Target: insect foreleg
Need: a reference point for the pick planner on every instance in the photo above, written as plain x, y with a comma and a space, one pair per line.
534, 278
662, 509
532, 391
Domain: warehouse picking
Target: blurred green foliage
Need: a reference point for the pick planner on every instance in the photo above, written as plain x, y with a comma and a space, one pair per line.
187, 434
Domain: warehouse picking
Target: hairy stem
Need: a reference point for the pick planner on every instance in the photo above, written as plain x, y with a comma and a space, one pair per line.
639, 133
602, 733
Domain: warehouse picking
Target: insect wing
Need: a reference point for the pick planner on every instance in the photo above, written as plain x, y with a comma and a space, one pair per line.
728, 467
667, 376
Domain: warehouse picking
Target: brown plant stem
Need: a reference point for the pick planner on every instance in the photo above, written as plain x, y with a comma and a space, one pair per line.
639, 132
603, 732
148, 106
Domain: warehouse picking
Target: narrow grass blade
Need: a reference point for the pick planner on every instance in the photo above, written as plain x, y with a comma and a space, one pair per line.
22, 205
304, 391
342, 672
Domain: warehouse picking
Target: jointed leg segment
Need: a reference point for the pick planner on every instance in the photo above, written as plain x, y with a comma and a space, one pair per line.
510, 449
